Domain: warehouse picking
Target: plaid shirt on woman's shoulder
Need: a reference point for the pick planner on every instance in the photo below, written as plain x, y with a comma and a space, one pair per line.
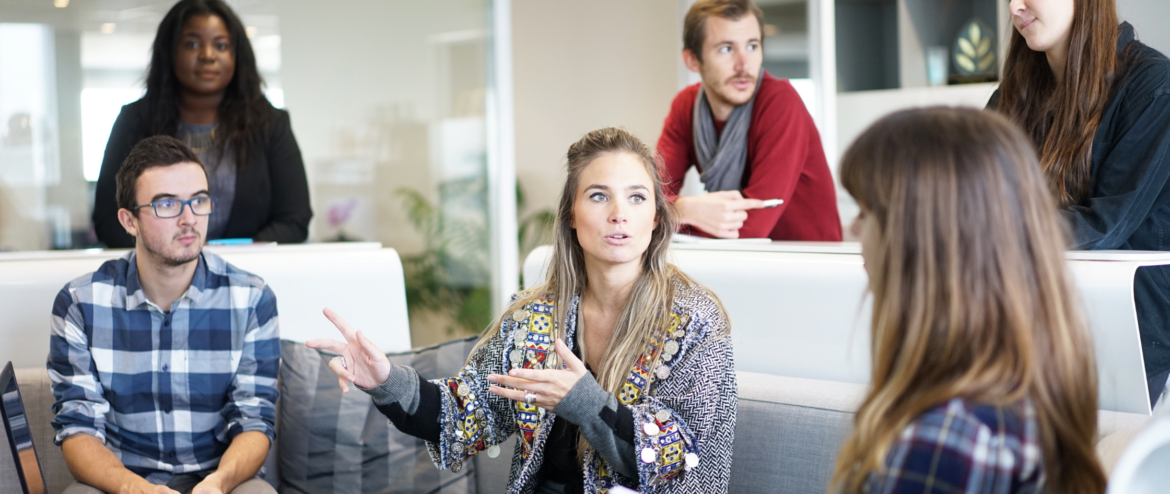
965, 447
165, 390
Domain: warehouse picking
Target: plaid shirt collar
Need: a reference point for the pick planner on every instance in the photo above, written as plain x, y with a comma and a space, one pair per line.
136, 297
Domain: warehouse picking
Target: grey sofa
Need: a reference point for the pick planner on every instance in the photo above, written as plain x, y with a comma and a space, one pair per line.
786, 439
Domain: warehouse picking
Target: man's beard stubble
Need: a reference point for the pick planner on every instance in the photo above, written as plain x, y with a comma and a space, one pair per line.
160, 251
725, 88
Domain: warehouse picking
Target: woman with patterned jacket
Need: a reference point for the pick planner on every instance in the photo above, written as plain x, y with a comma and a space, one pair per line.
617, 370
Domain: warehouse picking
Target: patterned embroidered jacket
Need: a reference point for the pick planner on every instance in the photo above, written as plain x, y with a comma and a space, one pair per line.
689, 397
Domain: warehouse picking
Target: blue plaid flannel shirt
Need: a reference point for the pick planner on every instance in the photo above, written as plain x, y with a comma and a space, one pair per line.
965, 447
166, 392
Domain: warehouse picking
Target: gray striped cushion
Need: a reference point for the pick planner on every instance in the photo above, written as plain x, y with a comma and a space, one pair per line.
333, 442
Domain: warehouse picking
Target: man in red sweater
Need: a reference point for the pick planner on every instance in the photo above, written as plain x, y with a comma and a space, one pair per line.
749, 135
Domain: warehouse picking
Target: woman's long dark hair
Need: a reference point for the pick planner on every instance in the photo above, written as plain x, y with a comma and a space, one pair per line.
243, 113
1062, 117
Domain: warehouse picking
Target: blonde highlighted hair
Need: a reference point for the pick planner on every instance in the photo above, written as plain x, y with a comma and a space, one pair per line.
970, 294
653, 293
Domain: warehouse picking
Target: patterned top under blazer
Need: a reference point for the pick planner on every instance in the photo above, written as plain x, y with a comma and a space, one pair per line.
682, 401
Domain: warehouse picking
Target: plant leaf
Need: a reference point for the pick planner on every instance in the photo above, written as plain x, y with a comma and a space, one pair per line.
984, 47
985, 62
974, 32
965, 62
967, 47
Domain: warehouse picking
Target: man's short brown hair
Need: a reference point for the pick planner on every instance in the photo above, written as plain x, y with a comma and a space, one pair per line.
695, 23
149, 153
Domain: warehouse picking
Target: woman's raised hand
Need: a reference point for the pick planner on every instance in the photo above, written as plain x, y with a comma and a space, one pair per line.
549, 386
361, 362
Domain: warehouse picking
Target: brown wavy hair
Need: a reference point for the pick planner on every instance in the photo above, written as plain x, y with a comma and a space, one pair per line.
1062, 117
695, 22
970, 295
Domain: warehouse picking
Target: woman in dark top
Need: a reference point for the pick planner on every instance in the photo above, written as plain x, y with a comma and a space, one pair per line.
983, 372
1096, 103
617, 370
204, 88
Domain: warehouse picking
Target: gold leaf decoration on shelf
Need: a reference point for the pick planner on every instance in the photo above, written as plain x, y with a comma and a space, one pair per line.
967, 48
985, 62
974, 51
965, 62
984, 47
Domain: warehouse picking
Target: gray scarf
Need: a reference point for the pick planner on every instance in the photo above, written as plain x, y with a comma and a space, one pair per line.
722, 158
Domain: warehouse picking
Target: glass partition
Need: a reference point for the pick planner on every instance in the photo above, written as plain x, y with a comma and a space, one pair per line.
388, 102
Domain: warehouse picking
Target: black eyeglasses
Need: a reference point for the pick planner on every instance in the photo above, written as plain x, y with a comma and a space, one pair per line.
170, 208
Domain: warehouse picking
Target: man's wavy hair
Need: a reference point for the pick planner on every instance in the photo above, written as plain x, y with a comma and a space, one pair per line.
695, 23
149, 153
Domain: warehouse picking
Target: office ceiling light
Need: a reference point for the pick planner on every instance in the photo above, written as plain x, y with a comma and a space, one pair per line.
108, 27
250, 31
60, 3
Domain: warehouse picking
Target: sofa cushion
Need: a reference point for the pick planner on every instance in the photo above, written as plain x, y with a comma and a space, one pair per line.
336, 442
37, 394
1115, 430
788, 431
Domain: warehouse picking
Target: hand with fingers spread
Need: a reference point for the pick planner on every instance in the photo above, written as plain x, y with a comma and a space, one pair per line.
547, 386
361, 362
720, 214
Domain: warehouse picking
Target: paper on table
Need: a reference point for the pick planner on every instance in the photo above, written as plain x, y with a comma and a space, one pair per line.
682, 238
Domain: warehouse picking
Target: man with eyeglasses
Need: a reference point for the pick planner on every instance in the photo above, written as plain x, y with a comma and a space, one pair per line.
164, 361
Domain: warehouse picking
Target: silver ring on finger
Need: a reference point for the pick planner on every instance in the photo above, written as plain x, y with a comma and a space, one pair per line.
343, 364
529, 397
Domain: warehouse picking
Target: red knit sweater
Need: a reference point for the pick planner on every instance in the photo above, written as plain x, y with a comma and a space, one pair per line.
785, 160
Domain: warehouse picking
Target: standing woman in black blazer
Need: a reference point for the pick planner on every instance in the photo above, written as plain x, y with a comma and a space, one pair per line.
203, 87
1096, 103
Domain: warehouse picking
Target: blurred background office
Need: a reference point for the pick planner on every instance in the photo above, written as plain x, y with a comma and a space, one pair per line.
414, 117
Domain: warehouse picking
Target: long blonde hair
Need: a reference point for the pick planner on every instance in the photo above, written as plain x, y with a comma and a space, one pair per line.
653, 293
970, 294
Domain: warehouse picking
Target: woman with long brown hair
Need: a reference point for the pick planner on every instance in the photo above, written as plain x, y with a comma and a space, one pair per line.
1096, 104
983, 376
616, 371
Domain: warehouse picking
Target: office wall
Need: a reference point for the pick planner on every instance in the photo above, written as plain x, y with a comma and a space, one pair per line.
363, 83
387, 101
580, 66
1149, 18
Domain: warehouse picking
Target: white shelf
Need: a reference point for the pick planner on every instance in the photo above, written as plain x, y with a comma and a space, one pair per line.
856, 111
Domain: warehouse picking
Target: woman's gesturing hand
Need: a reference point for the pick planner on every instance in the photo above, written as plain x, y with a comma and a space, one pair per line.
548, 385
364, 363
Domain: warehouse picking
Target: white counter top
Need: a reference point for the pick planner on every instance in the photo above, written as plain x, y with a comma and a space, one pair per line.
854, 248
800, 309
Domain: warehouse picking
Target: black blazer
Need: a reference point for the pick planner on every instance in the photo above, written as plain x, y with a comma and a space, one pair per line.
272, 194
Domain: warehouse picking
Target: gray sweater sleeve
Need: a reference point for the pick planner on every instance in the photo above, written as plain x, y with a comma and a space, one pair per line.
401, 388
412, 404
596, 412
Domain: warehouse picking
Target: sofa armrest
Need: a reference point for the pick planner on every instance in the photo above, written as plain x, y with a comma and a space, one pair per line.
37, 394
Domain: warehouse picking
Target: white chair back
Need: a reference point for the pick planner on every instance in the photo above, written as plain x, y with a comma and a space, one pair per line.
361, 281
798, 309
